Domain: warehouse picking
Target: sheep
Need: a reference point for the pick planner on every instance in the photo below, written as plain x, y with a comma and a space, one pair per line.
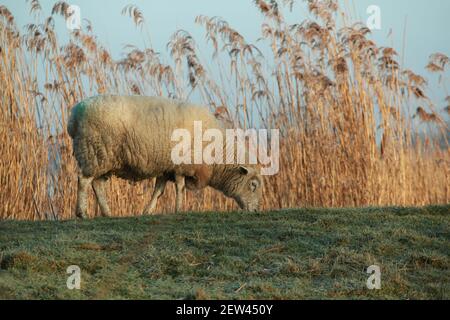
130, 137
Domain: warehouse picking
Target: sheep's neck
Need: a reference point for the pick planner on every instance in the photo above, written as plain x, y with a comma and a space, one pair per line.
222, 178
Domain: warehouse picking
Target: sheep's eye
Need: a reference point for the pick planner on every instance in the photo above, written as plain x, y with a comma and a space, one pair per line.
254, 185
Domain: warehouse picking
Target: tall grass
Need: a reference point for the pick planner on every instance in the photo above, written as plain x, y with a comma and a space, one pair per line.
351, 118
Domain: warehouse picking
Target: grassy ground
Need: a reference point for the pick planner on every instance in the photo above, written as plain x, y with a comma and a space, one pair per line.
294, 254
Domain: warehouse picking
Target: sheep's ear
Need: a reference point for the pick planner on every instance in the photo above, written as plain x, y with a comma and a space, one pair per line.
243, 170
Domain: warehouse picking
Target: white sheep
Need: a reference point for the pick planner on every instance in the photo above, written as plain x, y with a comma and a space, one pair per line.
130, 137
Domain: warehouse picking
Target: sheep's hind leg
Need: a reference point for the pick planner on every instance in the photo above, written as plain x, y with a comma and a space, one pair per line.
160, 185
99, 189
179, 184
82, 196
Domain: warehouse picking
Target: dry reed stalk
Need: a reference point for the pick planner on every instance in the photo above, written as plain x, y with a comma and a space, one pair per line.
342, 104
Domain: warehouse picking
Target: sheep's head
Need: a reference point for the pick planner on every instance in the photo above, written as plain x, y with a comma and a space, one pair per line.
247, 186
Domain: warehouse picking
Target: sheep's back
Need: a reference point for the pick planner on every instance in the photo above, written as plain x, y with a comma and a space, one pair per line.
130, 135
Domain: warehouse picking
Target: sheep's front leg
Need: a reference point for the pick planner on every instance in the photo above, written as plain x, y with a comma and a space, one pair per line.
82, 196
99, 190
179, 183
160, 185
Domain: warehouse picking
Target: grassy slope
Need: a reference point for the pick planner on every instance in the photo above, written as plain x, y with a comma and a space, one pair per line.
307, 253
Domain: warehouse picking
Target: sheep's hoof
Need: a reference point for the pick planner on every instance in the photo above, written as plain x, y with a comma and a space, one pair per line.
150, 212
81, 216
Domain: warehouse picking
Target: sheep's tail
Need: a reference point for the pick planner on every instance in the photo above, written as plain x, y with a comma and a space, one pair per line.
75, 118
72, 126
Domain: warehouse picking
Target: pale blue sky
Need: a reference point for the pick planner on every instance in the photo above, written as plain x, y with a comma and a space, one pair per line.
427, 28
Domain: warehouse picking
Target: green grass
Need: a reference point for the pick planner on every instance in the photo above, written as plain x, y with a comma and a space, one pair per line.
291, 254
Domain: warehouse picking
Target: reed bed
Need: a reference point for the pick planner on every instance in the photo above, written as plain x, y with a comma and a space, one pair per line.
356, 128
